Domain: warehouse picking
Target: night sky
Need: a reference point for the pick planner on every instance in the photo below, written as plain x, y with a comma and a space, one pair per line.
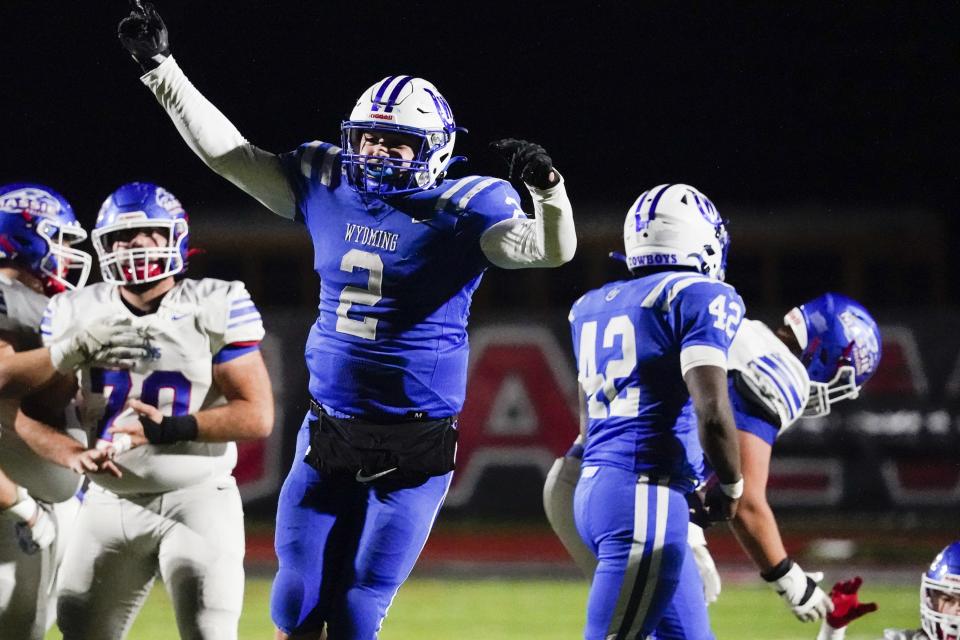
757, 103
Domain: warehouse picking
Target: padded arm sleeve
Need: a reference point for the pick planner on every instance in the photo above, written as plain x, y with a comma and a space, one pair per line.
218, 143
547, 240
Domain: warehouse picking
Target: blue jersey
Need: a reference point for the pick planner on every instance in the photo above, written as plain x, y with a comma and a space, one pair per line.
397, 276
632, 340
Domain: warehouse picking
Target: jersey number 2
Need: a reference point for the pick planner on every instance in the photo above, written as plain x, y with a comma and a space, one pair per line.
365, 328
605, 395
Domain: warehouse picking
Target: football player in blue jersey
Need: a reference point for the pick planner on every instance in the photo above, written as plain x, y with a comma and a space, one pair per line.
399, 248
824, 352
652, 366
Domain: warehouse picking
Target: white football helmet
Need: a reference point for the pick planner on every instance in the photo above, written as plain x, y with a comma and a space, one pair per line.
401, 105
676, 225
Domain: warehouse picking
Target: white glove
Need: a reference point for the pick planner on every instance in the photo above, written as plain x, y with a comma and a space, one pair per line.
36, 527
108, 342
801, 593
705, 565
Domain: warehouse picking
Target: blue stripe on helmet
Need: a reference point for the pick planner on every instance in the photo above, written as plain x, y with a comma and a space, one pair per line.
379, 97
391, 101
656, 199
641, 224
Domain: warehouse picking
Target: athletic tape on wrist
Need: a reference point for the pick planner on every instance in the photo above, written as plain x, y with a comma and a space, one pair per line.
733, 490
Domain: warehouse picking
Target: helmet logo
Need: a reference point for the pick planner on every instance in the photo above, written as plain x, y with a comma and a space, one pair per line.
382, 116
864, 342
32, 201
443, 109
168, 201
707, 210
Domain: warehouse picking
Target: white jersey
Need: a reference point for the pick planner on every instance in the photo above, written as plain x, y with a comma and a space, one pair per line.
188, 333
770, 371
21, 309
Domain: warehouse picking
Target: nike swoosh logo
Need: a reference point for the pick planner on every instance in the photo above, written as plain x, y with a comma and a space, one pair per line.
371, 478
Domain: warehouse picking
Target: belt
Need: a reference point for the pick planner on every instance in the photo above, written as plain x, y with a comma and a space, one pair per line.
317, 410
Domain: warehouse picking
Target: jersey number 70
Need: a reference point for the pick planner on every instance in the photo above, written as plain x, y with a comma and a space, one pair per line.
116, 385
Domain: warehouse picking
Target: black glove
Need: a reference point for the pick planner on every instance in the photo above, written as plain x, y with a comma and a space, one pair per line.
720, 507
170, 429
527, 161
144, 35
698, 510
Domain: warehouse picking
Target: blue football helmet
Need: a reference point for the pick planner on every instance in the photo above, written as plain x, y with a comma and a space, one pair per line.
841, 348
405, 106
940, 595
140, 205
37, 231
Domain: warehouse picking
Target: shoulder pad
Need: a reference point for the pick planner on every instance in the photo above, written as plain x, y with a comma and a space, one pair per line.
667, 290
456, 196
318, 160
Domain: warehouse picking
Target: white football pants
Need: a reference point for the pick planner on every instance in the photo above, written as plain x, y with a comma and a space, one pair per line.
193, 538
28, 593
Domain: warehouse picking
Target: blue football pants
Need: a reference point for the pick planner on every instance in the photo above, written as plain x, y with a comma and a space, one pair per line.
646, 581
345, 547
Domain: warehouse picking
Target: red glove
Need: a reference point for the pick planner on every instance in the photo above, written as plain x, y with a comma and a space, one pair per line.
846, 605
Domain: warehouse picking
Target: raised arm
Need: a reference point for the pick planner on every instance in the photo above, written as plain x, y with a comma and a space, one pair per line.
204, 128
549, 239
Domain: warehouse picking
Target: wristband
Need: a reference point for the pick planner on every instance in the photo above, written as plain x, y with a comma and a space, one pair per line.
778, 570
733, 490
25, 508
170, 429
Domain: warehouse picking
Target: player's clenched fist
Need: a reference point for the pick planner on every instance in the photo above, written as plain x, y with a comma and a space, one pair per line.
144, 35
722, 500
527, 161
799, 590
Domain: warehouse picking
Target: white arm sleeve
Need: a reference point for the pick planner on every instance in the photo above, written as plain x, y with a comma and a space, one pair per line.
700, 355
548, 240
218, 143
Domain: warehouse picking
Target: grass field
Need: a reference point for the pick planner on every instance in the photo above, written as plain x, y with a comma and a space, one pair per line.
509, 609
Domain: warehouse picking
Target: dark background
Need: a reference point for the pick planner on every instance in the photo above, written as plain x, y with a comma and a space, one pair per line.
763, 106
